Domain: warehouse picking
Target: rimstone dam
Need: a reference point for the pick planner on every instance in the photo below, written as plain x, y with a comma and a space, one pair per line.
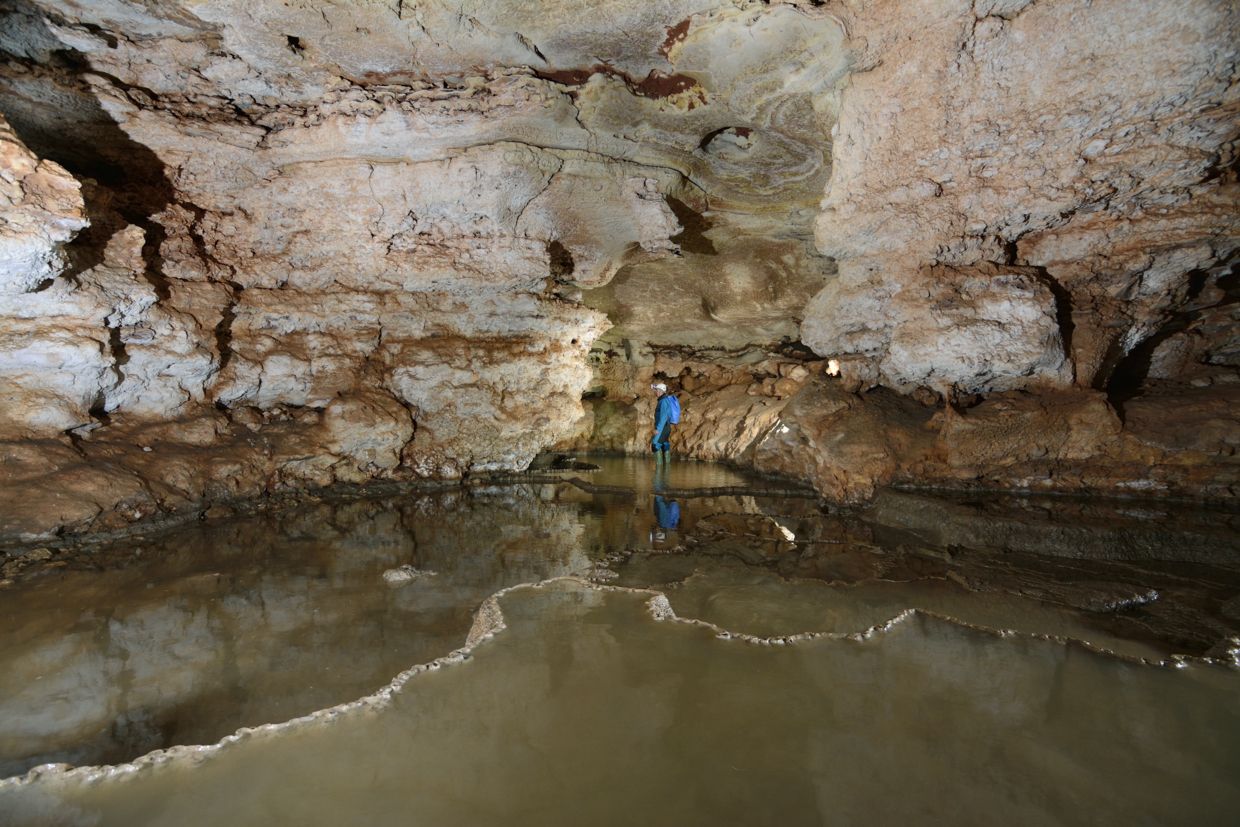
617, 412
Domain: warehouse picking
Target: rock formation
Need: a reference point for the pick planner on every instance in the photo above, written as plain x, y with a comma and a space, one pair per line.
250, 246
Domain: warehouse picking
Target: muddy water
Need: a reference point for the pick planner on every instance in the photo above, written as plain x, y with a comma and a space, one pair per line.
1024, 687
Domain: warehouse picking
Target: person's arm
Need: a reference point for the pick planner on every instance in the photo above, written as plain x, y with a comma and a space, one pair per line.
661, 417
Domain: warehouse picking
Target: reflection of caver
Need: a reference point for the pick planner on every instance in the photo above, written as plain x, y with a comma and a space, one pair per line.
666, 414
666, 512
667, 516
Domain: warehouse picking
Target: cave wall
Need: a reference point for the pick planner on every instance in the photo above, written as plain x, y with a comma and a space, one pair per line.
1032, 218
247, 246
1023, 192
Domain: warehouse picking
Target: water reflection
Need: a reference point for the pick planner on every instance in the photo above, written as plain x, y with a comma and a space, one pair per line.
586, 711
255, 620
666, 510
186, 636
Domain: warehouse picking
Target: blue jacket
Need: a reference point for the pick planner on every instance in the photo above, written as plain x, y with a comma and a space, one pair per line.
663, 412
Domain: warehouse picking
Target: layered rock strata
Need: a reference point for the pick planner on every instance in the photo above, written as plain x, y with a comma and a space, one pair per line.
248, 246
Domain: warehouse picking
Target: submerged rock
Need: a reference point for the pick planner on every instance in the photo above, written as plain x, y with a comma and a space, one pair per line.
402, 575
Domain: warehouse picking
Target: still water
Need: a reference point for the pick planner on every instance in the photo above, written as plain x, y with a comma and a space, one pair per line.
704, 648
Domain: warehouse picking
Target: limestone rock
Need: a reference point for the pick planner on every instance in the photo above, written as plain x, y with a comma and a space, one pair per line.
1010, 429
403, 575
40, 209
845, 445
284, 246
978, 136
371, 430
49, 378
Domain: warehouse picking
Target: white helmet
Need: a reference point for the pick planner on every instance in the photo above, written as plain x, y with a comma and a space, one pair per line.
659, 386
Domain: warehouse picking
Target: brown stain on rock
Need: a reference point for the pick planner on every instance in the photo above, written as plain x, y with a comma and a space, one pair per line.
567, 77
659, 85
656, 85
675, 34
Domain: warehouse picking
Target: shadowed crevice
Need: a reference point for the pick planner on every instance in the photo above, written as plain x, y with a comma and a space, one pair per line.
78, 133
561, 261
1131, 370
692, 238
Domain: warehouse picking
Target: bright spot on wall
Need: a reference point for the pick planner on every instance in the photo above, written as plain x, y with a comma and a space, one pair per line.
833, 367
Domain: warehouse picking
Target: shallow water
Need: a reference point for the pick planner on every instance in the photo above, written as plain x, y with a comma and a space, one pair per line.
586, 709
648, 474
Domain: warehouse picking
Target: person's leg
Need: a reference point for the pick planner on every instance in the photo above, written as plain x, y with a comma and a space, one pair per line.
661, 443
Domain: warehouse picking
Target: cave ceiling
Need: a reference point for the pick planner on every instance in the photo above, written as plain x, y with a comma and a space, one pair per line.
724, 110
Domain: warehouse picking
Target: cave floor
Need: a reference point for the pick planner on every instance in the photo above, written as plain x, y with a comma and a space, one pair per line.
678, 643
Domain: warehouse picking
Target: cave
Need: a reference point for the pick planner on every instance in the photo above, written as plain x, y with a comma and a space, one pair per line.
314, 299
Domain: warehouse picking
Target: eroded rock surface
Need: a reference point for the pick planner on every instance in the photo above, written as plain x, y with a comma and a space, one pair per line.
1013, 202
288, 246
